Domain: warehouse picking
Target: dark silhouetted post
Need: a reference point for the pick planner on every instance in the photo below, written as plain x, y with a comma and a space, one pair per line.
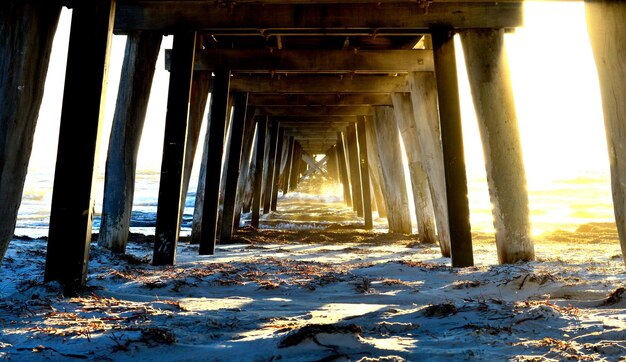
257, 178
365, 174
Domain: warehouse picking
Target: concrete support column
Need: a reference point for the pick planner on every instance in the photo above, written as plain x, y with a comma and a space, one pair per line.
607, 32
492, 92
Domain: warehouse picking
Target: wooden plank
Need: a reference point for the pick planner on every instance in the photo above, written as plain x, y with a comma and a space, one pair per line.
215, 143
424, 212
314, 61
365, 175
452, 143
257, 172
142, 50
387, 139
26, 34
176, 121
206, 17
277, 164
320, 84
232, 171
492, 92
81, 119
605, 24
270, 162
321, 99
355, 170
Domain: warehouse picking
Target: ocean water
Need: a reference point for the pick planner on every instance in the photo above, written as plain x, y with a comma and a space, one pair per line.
34, 213
557, 204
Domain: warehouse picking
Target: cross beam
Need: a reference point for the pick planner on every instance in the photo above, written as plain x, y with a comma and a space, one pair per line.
312, 61
319, 99
205, 16
320, 84
320, 111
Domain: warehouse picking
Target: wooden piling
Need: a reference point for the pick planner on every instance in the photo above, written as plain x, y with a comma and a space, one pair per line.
232, 171
343, 170
423, 87
277, 164
200, 88
261, 131
376, 172
81, 119
389, 151
355, 170
142, 50
365, 174
607, 32
452, 144
294, 173
217, 121
424, 213
331, 156
287, 173
27, 30
270, 163
492, 92
170, 186
244, 174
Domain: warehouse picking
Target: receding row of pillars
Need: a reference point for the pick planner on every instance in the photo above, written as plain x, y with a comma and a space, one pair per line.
26, 32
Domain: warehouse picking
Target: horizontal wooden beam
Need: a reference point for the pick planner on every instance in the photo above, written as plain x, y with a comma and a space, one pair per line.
314, 120
319, 99
312, 61
205, 16
320, 84
325, 111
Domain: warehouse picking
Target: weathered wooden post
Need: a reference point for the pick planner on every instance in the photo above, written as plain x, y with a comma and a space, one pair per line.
170, 185
355, 170
376, 172
142, 51
331, 156
424, 213
452, 143
81, 119
27, 29
200, 88
257, 177
196, 224
295, 166
269, 175
343, 170
365, 174
234, 161
389, 151
423, 87
492, 92
217, 120
244, 174
287, 173
607, 32
277, 164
